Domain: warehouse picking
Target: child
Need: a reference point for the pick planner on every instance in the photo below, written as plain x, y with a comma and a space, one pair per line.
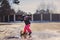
27, 25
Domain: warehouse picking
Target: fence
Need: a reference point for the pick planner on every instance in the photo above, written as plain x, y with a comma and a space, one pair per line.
46, 17
35, 17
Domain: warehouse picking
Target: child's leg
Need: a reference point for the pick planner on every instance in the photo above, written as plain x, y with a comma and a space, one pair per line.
28, 29
25, 29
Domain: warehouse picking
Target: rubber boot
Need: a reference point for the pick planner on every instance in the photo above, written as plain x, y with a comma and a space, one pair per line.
30, 34
25, 34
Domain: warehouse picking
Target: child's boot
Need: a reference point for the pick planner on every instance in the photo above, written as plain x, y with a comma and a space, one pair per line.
30, 34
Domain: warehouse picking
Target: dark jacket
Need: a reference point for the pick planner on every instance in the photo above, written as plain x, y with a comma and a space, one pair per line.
27, 21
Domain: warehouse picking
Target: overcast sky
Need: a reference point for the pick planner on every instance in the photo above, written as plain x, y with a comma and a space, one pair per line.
32, 5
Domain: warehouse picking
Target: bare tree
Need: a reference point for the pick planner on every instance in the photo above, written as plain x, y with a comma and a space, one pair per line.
5, 8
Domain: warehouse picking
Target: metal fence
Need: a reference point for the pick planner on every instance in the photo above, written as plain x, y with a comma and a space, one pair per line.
46, 17
35, 17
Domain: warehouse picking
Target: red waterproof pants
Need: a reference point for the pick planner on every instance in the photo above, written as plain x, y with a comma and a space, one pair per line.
27, 28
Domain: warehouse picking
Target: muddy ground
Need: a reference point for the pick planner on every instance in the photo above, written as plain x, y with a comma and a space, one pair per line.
40, 31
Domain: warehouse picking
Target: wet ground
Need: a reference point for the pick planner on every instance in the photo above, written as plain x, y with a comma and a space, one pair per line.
40, 31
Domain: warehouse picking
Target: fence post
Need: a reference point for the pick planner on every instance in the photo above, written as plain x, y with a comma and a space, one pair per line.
8, 18
50, 17
14, 18
41, 17
32, 17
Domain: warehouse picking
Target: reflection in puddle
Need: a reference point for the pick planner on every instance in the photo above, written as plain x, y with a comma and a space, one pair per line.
46, 35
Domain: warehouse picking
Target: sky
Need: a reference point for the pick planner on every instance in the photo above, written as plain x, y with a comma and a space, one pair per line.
33, 5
